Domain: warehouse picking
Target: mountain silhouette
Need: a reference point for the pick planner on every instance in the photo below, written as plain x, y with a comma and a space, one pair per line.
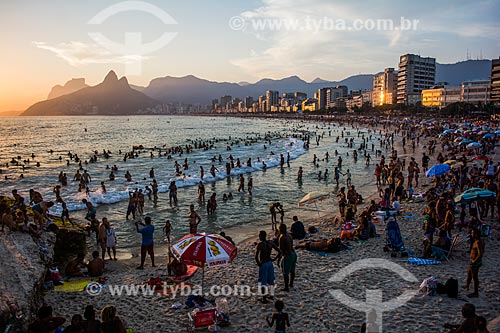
68, 88
110, 97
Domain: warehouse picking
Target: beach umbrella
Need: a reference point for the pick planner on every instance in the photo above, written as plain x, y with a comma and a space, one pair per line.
474, 145
458, 139
466, 141
448, 131
204, 250
453, 163
457, 131
497, 131
474, 194
488, 135
437, 170
313, 198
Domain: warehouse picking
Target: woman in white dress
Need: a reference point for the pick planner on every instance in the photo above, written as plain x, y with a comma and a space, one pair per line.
111, 241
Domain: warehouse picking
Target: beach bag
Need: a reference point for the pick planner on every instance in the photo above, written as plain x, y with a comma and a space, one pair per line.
429, 286
451, 287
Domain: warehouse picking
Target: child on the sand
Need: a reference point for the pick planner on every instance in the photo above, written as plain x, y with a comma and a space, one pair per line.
280, 317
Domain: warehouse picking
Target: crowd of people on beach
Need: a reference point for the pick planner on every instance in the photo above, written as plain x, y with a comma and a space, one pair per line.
397, 179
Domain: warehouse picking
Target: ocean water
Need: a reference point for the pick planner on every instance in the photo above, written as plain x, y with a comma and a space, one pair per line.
247, 138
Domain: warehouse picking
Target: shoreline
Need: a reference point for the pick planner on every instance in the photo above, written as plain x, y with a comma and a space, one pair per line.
310, 304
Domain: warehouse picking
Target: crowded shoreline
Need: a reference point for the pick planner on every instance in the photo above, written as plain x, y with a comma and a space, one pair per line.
313, 269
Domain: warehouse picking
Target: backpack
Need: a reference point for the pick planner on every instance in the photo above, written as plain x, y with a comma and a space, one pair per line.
451, 287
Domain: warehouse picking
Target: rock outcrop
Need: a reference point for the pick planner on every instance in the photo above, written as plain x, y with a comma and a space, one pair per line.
23, 268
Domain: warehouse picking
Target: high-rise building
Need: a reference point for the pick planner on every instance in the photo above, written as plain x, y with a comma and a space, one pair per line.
327, 96
384, 87
415, 74
476, 92
495, 81
440, 97
323, 98
247, 102
225, 101
271, 99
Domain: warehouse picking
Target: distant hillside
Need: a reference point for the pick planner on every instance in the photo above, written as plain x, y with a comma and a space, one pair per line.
69, 87
111, 97
190, 89
455, 74
128, 99
10, 113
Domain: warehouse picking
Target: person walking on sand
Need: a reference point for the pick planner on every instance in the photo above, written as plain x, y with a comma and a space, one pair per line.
194, 220
280, 318
265, 263
147, 244
289, 261
476, 256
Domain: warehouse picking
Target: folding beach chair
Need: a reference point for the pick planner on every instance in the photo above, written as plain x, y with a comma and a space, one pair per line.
453, 246
201, 319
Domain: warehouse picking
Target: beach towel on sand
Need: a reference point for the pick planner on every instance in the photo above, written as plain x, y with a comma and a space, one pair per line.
421, 261
190, 272
74, 285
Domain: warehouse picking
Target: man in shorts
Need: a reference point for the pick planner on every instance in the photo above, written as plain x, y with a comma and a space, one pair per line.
265, 263
289, 260
147, 245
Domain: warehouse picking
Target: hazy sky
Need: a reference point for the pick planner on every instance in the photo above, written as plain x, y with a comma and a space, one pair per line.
47, 42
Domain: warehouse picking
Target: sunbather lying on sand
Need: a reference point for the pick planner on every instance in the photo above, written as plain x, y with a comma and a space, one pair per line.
331, 245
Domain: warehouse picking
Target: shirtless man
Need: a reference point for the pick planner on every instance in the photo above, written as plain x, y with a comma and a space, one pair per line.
194, 220
57, 191
102, 236
289, 260
242, 184
86, 177
8, 219
272, 210
40, 211
131, 205
476, 256
96, 265
35, 197
154, 187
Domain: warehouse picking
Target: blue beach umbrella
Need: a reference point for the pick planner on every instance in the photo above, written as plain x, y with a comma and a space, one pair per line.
497, 131
474, 145
437, 170
474, 194
466, 141
448, 131
488, 135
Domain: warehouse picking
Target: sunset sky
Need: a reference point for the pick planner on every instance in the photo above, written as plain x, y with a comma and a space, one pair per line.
45, 43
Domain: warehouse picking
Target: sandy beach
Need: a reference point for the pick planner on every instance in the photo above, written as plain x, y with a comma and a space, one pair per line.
310, 304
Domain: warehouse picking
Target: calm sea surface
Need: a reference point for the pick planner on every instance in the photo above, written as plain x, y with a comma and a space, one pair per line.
23, 136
